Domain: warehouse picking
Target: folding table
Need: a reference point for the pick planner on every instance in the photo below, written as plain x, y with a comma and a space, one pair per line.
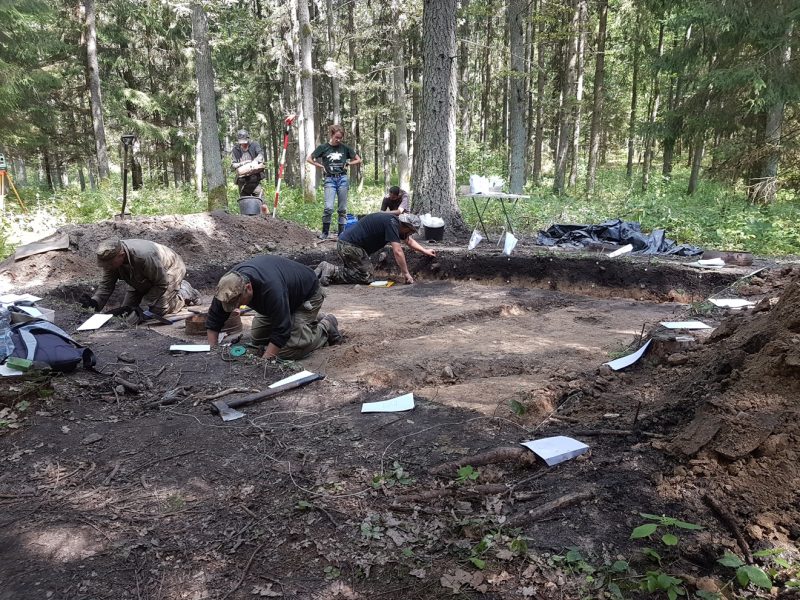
503, 198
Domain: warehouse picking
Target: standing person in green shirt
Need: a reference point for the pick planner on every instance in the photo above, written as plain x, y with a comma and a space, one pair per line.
333, 158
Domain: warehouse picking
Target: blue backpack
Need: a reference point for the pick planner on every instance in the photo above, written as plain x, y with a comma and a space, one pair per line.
41, 341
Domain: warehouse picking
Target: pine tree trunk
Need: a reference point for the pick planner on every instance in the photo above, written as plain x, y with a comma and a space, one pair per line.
540, 85
651, 121
597, 101
487, 75
583, 17
209, 128
517, 106
357, 172
634, 98
335, 101
198, 149
399, 102
697, 160
307, 94
93, 68
464, 91
436, 189
568, 95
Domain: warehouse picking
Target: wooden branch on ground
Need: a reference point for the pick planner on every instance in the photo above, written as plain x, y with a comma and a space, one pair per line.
131, 387
724, 515
475, 490
522, 456
545, 509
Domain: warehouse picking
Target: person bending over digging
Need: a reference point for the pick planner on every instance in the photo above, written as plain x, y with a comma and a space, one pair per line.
154, 274
286, 297
396, 201
367, 236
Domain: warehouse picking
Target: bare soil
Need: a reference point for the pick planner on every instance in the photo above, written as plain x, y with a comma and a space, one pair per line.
106, 493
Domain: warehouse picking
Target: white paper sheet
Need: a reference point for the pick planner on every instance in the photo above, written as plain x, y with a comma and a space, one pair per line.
399, 404
11, 298
554, 450
380, 284
621, 251
627, 361
31, 310
685, 325
474, 240
9, 372
95, 322
730, 302
711, 262
190, 348
510, 243
291, 378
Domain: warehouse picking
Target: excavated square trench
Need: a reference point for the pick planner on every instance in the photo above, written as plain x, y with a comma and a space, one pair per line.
106, 491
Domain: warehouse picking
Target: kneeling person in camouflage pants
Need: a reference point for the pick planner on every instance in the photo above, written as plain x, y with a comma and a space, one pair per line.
287, 297
369, 235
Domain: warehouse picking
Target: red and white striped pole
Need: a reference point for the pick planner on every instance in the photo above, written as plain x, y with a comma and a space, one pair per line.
287, 128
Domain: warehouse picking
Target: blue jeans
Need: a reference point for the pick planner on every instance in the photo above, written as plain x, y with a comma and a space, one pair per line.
336, 186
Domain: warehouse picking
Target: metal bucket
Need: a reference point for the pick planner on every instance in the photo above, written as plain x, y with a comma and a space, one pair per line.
250, 205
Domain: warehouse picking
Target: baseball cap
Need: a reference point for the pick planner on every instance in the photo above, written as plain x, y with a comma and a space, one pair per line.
108, 249
229, 288
242, 137
410, 220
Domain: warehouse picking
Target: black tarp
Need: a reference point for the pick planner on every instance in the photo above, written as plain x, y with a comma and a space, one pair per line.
618, 232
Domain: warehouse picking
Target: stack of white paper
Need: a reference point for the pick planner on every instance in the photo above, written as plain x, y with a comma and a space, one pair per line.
95, 322
685, 325
554, 450
399, 404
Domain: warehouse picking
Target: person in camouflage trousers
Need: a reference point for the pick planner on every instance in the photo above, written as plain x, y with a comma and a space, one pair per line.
369, 235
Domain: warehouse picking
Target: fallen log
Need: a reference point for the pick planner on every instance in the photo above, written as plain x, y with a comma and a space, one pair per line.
521, 455
475, 490
544, 510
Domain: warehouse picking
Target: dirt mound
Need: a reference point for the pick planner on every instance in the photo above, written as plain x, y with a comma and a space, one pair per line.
216, 238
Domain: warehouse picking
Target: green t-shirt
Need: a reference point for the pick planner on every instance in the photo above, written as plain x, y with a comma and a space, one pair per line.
334, 158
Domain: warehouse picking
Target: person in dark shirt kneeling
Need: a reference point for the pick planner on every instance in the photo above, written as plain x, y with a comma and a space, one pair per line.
366, 237
286, 297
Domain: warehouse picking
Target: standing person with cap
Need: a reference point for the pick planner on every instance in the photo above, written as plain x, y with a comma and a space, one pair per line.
286, 297
395, 202
154, 274
335, 157
243, 153
366, 237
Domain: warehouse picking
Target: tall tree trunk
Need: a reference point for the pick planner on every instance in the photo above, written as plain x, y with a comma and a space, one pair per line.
198, 149
464, 89
307, 94
517, 105
597, 100
399, 103
93, 68
634, 97
209, 128
766, 187
288, 103
540, 84
698, 147
333, 74
487, 74
436, 190
583, 18
568, 95
357, 172
651, 121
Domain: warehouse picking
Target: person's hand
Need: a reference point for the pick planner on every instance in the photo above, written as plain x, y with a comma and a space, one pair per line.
431, 253
86, 301
408, 277
268, 355
121, 311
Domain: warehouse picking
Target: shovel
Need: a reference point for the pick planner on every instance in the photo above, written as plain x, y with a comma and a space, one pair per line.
227, 409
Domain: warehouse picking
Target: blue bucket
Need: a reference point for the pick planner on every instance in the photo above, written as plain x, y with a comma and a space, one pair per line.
350, 222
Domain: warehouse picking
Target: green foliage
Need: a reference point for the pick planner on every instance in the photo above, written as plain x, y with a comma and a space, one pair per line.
747, 574
467, 474
656, 581
395, 476
664, 523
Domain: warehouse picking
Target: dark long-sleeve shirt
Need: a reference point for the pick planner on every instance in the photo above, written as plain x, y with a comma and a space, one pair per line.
280, 287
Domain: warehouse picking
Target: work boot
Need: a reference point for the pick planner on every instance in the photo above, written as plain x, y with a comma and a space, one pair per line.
331, 324
323, 235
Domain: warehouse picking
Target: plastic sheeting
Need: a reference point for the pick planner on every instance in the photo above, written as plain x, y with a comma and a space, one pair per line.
618, 232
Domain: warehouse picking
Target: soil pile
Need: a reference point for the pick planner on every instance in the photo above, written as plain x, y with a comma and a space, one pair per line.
216, 238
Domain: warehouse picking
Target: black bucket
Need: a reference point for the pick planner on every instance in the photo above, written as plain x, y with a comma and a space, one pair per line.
250, 205
434, 234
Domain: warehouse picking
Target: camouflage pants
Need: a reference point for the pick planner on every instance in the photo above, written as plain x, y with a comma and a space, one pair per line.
163, 301
357, 267
307, 334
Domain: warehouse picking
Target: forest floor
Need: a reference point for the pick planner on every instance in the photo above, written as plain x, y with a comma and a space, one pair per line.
110, 494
